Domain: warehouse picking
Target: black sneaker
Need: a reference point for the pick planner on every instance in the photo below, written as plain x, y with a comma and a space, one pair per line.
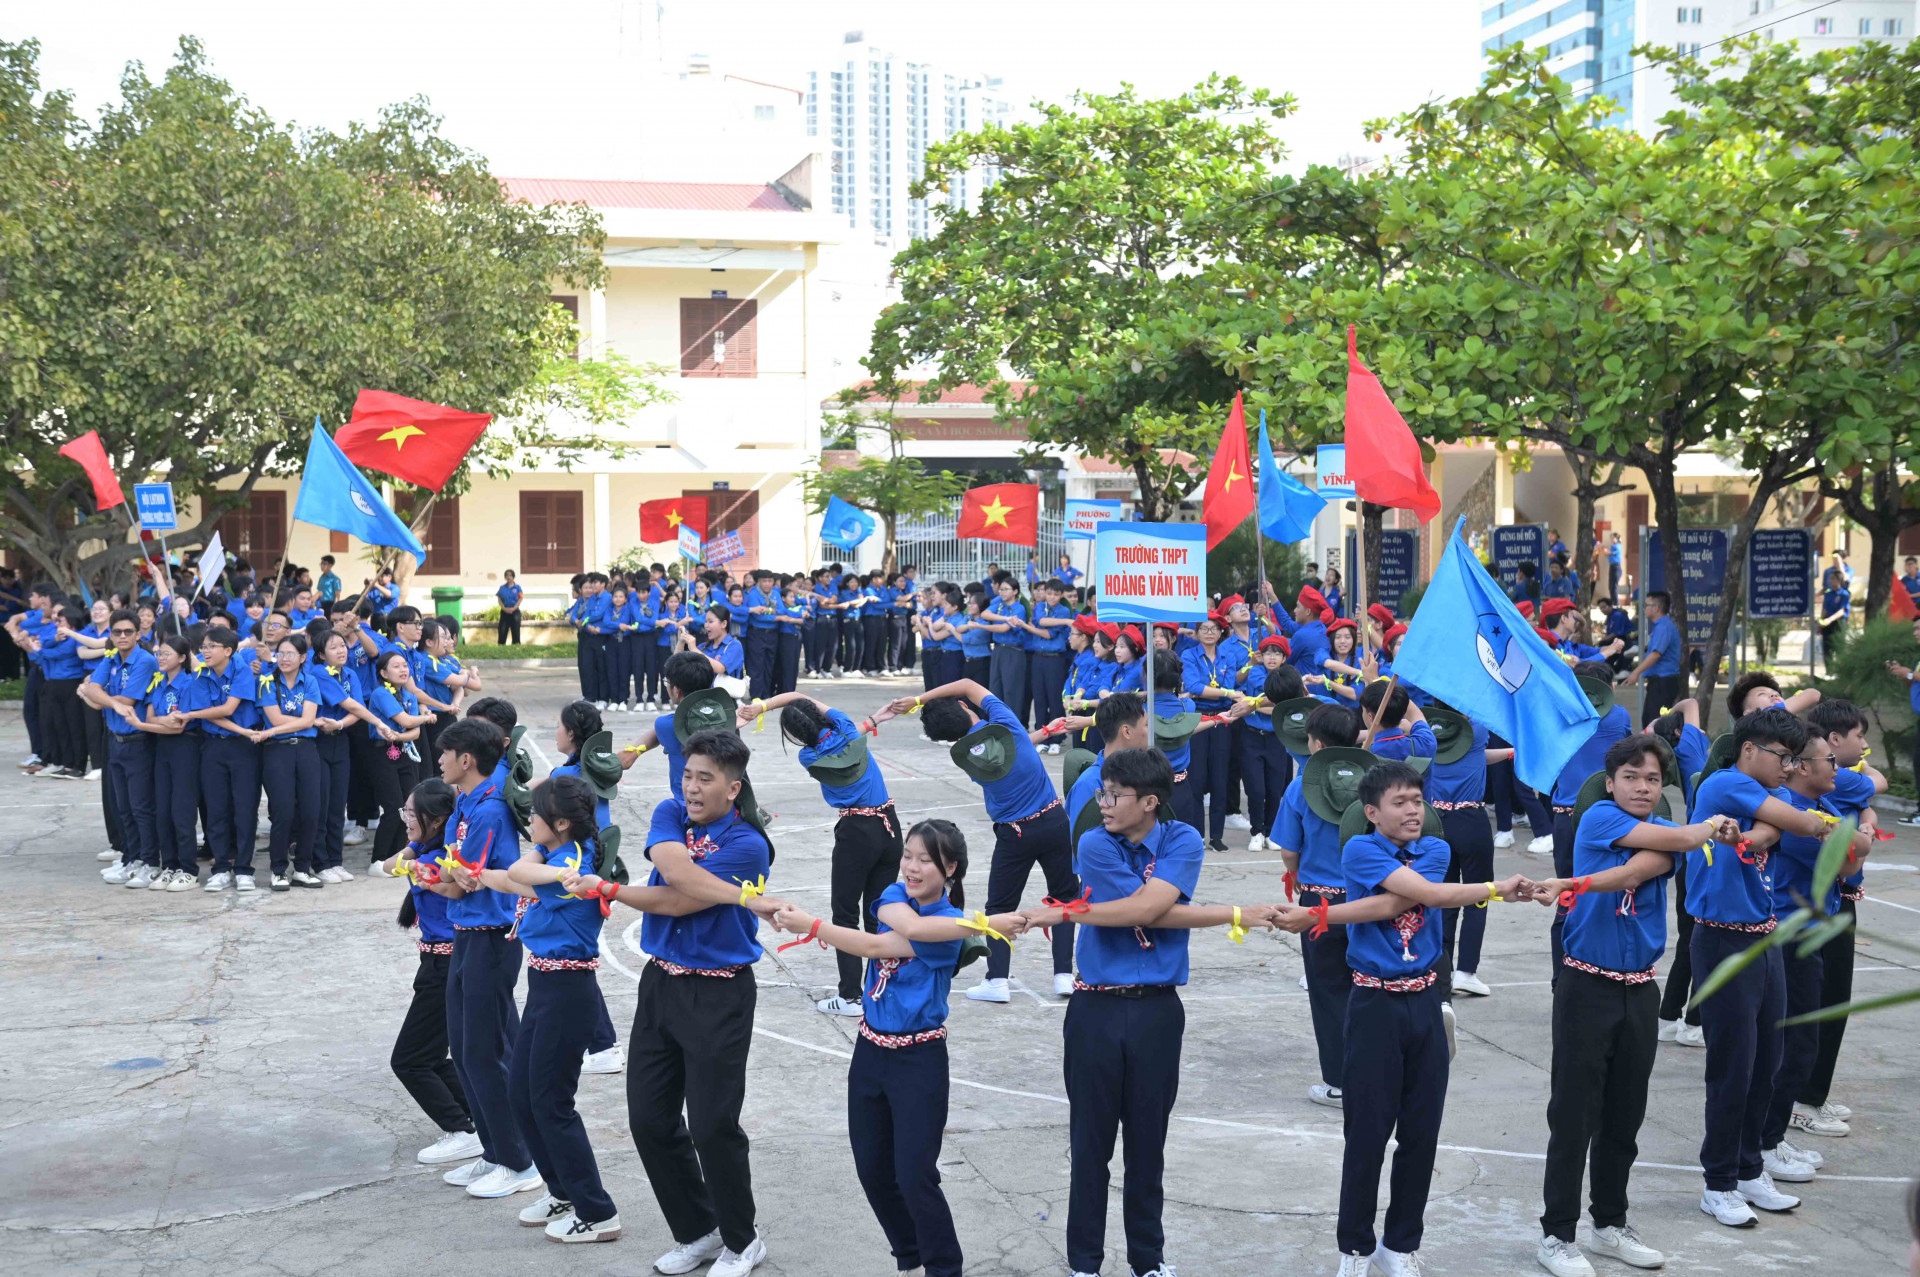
1218, 844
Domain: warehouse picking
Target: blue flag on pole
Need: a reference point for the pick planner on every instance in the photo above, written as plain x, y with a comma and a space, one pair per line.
1470, 647
336, 496
845, 525
1288, 507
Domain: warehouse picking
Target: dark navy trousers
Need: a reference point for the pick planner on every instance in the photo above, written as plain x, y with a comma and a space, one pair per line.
230, 784
176, 800
482, 1023
542, 1078
130, 781
896, 1114
1742, 1025
1799, 1043
1329, 984
1396, 1087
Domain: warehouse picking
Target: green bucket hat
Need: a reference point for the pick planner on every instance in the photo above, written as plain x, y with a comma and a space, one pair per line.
1720, 755
1453, 731
844, 768
1171, 731
1594, 789
609, 865
749, 808
1599, 694
600, 766
521, 766
985, 754
1331, 780
972, 950
1071, 767
709, 709
1354, 822
1290, 722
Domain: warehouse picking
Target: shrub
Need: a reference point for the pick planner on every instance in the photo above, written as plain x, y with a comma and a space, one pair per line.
1859, 674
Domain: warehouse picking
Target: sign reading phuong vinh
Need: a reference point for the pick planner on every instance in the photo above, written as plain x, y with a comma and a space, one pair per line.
1083, 518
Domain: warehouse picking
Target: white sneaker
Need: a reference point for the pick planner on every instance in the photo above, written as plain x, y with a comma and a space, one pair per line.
1541, 846
1730, 1209
461, 1176
30, 760
1304, 986
601, 706
1814, 1121
1063, 984
545, 1211
1468, 982
611, 1060
1804, 1156
183, 880
1761, 1192
354, 836
1325, 1096
1691, 1035
219, 881
1669, 1030
328, 875
504, 1181
1257, 843
1350, 1265
161, 880
990, 990
1446, 1021
140, 878
1562, 1259
454, 1146
1776, 1165
117, 873
1503, 839
1237, 821
341, 874
837, 1005
732, 1265
1624, 1244
107, 856
243, 882
92, 774
688, 1256
1838, 1112
280, 882
1395, 1264
571, 1228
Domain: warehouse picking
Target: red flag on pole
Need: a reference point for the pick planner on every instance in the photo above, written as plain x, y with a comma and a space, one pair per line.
1900, 607
1001, 512
91, 454
660, 520
422, 443
1229, 498
1383, 457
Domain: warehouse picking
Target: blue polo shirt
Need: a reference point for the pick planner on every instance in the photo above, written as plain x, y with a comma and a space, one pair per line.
1728, 890
559, 925
670, 746
429, 907
1615, 725
1794, 857
128, 676
1113, 869
329, 587
1082, 673
1837, 600
1255, 684
1310, 647
383, 597
297, 617
878, 599
1126, 676
1852, 794
1464, 780
238, 681
1690, 755
1624, 931
909, 995
728, 652
333, 686
975, 643
758, 597
388, 701
952, 642
870, 790
1408, 945
183, 692
1558, 587
1664, 638
1085, 786
719, 935
290, 700
1415, 741
1056, 639
1315, 841
484, 834
509, 595
433, 674
596, 614
996, 612
1206, 678
1027, 788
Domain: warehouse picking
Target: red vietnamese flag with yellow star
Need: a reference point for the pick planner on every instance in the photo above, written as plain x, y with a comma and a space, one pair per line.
1229, 498
1002, 512
422, 443
660, 520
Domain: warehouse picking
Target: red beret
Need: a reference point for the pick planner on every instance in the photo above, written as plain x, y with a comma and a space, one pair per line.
1526, 608
1312, 598
1341, 623
1554, 607
1086, 624
1276, 640
1394, 631
1381, 613
1138, 639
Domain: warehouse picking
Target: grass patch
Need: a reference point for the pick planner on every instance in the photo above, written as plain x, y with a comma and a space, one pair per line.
516, 651
13, 689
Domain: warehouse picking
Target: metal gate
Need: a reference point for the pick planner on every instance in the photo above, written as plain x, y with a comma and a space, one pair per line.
932, 544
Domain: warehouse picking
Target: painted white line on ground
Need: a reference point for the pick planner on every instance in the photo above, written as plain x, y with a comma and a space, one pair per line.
1889, 904
538, 753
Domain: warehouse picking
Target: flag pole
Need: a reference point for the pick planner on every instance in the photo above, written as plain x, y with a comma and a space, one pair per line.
1259, 533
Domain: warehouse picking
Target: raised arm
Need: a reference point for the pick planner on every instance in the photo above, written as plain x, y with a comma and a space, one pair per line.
1790, 819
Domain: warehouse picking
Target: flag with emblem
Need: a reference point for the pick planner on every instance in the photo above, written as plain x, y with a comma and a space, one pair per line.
1001, 512
335, 496
1229, 498
661, 520
422, 443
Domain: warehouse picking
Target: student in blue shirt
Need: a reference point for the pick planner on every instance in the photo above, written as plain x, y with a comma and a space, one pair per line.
171, 691
866, 838
329, 582
420, 1059
93, 648
1616, 563
876, 597
693, 1023
55, 652
1730, 894
300, 608
897, 1084
789, 615
117, 691
1330, 590
1836, 612
379, 592
1596, 680
721, 648
290, 769
340, 711
763, 633
1559, 583
1265, 764
1029, 824
482, 1019
976, 640
1679, 727
621, 663
641, 619
1047, 654
1396, 1061
1125, 1023
1211, 678
685, 673
1067, 574
1556, 548
1660, 663
1005, 619
509, 595
671, 626
1606, 1002
397, 763
229, 760
560, 931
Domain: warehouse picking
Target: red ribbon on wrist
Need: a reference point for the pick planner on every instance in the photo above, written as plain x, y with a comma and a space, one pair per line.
813, 933
1068, 908
1057, 725
607, 890
1291, 881
1573, 893
1319, 912
1744, 850
1882, 835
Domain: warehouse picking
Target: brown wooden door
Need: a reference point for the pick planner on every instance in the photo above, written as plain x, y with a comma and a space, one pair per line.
442, 538
550, 533
257, 531
733, 512
719, 337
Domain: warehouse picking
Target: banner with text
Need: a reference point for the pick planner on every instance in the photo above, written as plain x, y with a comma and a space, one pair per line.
1085, 517
1516, 543
1151, 571
1703, 565
1330, 470
1399, 565
725, 548
1779, 573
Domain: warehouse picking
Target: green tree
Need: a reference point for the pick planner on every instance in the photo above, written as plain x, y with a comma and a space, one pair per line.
196, 282
890, 484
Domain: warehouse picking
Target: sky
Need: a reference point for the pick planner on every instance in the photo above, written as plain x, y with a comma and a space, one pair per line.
544, 89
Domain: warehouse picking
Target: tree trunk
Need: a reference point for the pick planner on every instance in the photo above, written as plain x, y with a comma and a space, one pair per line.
1149, 503
1587, 491
1666, 517
890, 554
1371, 526
1885, 519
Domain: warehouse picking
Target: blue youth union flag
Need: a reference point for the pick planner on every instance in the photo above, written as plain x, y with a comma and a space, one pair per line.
336, 496
1288, 507
845, 525
1468, 646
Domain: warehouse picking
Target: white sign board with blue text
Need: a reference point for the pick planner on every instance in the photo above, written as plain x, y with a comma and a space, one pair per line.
1151, 571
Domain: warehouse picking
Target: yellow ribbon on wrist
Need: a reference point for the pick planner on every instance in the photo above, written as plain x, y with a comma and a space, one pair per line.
916, 708
748, 890
760, 720
636, 748
1236, 932
1827, 816
1493, 894
1708, 848
977, 921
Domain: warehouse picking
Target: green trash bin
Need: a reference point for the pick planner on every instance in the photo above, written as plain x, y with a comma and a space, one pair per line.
446, 602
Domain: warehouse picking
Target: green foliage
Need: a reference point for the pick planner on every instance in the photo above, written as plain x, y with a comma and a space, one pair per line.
1859, 674
13, 689
1410, 601
516, 651
893, 486
1231, 565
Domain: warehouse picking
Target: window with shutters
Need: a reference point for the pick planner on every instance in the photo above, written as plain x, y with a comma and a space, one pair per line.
442, 538
256, 531
719, 337
733, 512
551, 537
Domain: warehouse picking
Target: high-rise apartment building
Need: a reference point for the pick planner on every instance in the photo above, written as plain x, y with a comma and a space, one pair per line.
1590, 42
874, 115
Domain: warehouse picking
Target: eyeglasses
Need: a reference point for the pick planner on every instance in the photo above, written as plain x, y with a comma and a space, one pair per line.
122, 631
1111, 797
1791, 762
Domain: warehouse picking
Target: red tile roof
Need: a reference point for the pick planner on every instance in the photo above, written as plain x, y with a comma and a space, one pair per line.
729, 197
966, 392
